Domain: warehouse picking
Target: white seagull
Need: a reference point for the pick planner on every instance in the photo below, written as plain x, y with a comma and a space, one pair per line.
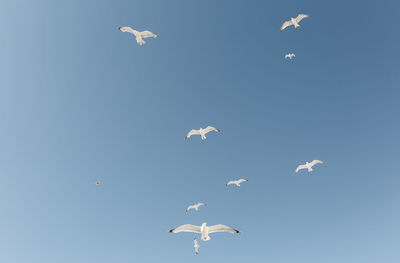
290, 55
196, 246
196, 206
201, 132
139, 35
237, 182
294, 21
204, 230
307, 166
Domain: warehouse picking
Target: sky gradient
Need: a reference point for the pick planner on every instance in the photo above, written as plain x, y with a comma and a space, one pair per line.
82, 102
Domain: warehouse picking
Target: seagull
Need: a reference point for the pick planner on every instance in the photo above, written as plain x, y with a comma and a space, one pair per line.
237, 182
196, 206
201, 132
307, 166
290, 55
97, 183
204, 230
196, 246
139, 35
294, 21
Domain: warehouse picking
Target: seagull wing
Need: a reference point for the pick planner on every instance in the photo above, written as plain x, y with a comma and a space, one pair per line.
200, 204
128, 29
301, 17
242, 180
189, 207
186, 228
221, 228
303, 166
286, 24
192, 132
231, 182
147, 33
196, 246
287, 56
210, 128
315, 162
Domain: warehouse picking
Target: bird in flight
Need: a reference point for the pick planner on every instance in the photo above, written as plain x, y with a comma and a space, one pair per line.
237, 182
294, 21
201, 132
196, 206
139, 35
307, 166
204, 230
290, 55
196, 246
97, 183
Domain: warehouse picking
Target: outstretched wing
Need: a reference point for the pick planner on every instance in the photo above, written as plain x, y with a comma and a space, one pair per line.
192, 132
242, 180
196, 246
147, 33
128, 29
210, 128
200, 204
286, 24
222, 228
315, 162
301, 17
303, 166
186, 228
189, 207
287, 56
230, 182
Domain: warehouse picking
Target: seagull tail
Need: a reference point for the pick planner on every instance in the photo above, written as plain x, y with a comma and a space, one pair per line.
296, 26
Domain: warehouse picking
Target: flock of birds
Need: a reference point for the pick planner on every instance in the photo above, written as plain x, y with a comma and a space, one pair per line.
204, 230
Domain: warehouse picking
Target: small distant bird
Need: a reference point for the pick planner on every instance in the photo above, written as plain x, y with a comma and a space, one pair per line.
97, 183
196, 206
237, 182
294, 21
201, 132
196, 246
139, 35
204, 230
290, 55
307, 166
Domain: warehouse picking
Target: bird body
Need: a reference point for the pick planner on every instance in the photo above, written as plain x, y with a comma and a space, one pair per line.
195, 207
139, 35
236, 182
290, 55
97, 183
196, 246
204, 230
294, 21
307, 166
202, 132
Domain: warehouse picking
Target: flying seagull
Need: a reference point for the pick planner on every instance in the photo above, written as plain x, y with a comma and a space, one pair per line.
237, 182
97, 183
290, 55
294, 21
201, 132
196, 206
307, 166
196, 246
204, 230
139, 35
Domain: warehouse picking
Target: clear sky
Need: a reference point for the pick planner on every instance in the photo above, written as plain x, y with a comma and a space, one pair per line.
81, 102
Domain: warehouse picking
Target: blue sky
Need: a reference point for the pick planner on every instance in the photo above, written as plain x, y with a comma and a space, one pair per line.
81, 101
